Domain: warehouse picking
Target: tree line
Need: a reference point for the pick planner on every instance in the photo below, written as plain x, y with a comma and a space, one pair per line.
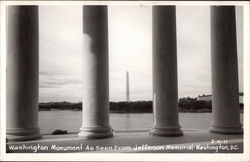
186, 104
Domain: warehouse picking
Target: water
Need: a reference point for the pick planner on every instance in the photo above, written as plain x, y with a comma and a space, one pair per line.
71, 120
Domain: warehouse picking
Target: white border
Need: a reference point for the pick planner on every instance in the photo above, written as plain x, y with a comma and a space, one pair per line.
126, 156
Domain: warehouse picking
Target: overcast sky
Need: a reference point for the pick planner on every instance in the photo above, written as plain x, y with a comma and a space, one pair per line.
130, 49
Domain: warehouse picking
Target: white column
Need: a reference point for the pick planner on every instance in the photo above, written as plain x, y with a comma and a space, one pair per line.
165, 90
22, 73
95, 109
225, 92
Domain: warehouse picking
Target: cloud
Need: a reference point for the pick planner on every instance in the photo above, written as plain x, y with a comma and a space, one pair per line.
55, 81
130, 49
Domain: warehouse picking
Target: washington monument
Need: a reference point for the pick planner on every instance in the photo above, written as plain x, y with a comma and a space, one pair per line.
127, 87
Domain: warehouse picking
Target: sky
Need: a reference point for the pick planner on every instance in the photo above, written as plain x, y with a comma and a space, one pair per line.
130, 49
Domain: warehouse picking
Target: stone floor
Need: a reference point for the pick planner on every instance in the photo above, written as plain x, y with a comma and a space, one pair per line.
193, 141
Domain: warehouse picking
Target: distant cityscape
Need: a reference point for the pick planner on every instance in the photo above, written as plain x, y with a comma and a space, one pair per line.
202, 103
209, 97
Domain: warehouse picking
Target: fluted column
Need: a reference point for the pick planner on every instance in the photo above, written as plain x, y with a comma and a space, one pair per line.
165, 91
225, 91
95, 111
22, 73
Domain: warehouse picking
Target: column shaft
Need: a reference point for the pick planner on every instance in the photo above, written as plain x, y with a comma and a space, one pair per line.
22, 73
95, 111
225, 92
165, 90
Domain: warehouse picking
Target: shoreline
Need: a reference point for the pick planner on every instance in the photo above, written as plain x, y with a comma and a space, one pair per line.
137, 112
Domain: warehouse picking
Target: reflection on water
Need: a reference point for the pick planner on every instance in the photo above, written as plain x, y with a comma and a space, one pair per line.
127, 126
71, 120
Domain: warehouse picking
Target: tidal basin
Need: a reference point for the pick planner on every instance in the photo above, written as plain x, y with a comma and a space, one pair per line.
71, 121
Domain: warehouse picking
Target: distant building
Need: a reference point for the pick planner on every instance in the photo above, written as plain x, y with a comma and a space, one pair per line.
204, 98
241, 98
209, 97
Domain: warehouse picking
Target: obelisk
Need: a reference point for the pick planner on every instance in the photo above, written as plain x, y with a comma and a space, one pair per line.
127, 87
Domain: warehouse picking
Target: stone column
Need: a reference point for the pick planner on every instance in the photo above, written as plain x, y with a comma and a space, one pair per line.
95, 111
225, 93
22, 73
165, 90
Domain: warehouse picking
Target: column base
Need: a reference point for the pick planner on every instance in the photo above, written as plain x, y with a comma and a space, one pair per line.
226, 129
169, 132
95, 132
23, 134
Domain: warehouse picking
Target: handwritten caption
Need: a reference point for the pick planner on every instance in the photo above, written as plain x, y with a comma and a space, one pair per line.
211, 146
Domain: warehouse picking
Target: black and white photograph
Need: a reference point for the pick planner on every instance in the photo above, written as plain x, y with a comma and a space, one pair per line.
122, 81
